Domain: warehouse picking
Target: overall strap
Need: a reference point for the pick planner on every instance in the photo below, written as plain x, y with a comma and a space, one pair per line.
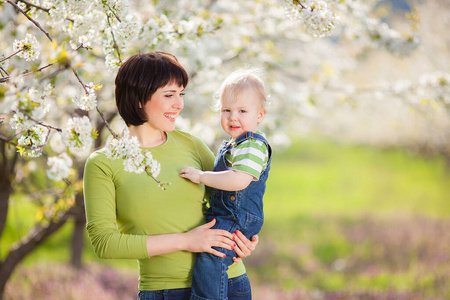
249, 134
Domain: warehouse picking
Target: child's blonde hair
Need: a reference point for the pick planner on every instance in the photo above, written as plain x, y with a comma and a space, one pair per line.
239, 80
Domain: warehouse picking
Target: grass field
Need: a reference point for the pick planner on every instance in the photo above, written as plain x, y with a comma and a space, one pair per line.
342, 222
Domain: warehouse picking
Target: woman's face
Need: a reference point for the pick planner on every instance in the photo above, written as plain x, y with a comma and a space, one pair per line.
164, 106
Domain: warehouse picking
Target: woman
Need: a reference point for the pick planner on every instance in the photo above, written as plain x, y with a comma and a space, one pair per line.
129, 216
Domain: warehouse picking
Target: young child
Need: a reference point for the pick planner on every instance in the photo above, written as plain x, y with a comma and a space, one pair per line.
238, 180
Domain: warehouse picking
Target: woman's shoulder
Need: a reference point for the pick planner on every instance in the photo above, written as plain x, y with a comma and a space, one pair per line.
97, 155
98, 158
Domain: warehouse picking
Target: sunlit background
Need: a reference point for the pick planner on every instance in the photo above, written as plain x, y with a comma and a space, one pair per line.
357, 204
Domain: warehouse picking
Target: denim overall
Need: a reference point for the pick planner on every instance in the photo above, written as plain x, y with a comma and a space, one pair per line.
234, 210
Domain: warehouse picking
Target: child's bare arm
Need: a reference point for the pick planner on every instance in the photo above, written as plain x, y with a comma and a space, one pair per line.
229, 180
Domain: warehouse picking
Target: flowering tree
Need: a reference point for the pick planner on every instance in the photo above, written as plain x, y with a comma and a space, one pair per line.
388, 100
58, 60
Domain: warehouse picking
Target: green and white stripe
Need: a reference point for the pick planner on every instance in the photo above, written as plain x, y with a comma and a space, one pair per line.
250, 156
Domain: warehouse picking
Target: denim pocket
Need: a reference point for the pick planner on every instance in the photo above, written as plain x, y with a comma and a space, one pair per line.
220, 203
252, 225
239, 286
149, 295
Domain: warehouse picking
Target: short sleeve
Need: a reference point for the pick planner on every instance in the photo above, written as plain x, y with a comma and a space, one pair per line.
250, 156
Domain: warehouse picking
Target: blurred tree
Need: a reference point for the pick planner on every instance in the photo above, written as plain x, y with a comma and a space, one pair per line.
390, 101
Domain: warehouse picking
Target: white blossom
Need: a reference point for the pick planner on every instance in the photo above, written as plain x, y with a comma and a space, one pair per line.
167, 29
112, 62
33, 141
314, 15
78, 135
135, 159
29, 46
20, 122
151, 31
391, 39
59, 166
436, 86
22, 5
87, 101
48, 90
129, 28
28, 107
84, 41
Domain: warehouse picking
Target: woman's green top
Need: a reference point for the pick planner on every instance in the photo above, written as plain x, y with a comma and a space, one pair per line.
122, 208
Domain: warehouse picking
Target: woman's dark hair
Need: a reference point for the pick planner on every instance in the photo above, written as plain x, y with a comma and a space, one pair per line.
138, 79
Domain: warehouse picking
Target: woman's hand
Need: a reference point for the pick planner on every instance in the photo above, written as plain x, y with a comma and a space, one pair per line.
203, 238
244, 247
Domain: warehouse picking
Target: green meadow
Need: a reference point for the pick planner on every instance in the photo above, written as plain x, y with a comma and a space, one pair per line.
341, 222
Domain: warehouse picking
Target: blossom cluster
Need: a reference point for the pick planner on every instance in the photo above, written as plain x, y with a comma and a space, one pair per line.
84, 41
32, 141
314, 15
134, 158
87, 101
360, 27
431, 88
29, 47
437, 85
191, 28
111, 25
391, 39
59, 166
29, 106
118, 36
78, 134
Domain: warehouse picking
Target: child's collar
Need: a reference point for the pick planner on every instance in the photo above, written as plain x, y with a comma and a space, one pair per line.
232, 141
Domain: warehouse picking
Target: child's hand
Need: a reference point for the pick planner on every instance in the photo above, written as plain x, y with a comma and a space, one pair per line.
192, 174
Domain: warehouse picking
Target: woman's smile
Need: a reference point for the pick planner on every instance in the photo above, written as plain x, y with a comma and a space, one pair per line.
171, 116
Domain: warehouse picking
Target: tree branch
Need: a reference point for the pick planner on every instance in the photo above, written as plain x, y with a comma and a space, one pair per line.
35, 6
54, 73
3, 71
24, 48
117, 17
106, 123
6, 139
26, 73
160, 184
299, 3
31, 19
73, 70
116, 46
79, 80
98, 110
13, 163
4, 160
30, 242
33, 196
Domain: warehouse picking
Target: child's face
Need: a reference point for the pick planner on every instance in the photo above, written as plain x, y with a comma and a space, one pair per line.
243, 114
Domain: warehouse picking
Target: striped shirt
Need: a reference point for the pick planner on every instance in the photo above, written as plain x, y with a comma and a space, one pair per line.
250, 156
